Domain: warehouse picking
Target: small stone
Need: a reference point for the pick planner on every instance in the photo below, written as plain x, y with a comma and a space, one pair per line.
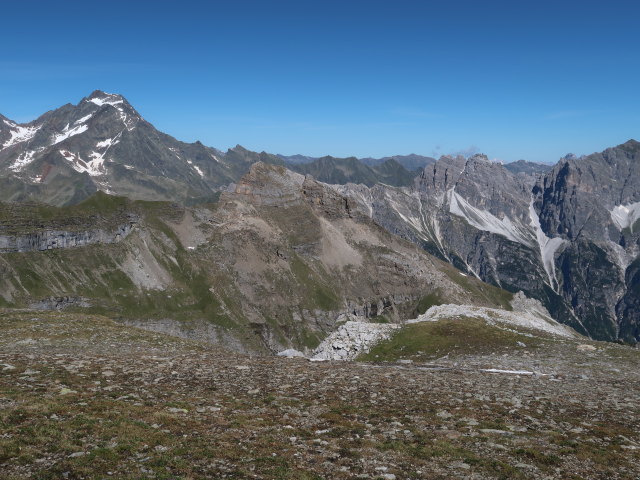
586, 348
178, 410
461, 465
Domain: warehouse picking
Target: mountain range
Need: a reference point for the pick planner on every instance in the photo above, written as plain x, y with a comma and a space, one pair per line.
570, 238
566, 235
103, 143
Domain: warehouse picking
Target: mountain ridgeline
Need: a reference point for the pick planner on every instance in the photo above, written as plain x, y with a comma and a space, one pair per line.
218, 232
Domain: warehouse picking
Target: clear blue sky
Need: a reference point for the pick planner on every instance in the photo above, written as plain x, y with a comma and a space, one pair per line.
516, 79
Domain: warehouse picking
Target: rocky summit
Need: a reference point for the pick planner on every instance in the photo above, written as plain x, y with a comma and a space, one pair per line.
170, 310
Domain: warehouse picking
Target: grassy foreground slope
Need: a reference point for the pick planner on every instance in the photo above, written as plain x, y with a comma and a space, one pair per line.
84, 397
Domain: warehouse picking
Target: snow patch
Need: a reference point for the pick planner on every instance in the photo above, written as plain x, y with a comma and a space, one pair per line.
83, 119
24, 159
19, 134
69, 132
483, 220
625, 216
116, 102
108, 99
197, 169
104, 143
94, 167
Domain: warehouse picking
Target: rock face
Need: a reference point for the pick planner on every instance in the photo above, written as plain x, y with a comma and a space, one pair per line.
570, 240
266, 186
34, 227
345, 170
54, 239
593, 204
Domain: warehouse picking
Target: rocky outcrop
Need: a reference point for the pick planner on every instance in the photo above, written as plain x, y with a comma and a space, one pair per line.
264, 185
56, 239
60, 303
351, 339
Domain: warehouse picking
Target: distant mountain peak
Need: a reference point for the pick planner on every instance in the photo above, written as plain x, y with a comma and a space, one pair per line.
479, 158
99, 94
239, 148
631, 143
570, 156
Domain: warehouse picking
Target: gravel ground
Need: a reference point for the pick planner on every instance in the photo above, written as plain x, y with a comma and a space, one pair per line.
84, 397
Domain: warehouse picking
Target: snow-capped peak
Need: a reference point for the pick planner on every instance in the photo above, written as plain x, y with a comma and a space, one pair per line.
128, 116
102, 98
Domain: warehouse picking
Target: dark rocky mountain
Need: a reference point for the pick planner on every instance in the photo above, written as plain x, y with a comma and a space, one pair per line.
296, 159
411, 162
528, 168
570, 241
351, 170
102, 143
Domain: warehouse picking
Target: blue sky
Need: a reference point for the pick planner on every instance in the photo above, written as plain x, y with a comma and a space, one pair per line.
532, 80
